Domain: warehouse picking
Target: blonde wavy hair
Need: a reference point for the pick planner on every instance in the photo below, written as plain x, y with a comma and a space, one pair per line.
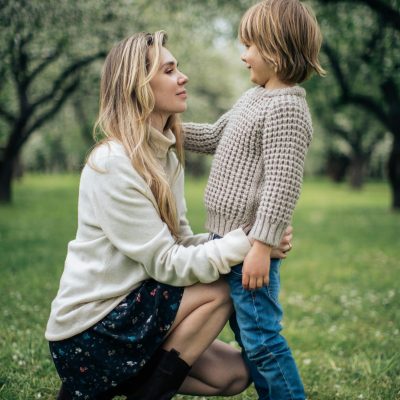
287, 35
126, 103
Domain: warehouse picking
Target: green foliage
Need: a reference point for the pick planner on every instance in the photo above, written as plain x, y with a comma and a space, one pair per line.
339, 287
198, 36
203, 38
356, 103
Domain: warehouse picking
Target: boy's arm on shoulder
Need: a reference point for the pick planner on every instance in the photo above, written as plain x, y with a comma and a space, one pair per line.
204, 138
287, 135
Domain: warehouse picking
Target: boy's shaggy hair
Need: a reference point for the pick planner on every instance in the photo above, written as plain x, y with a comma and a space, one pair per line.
287, 35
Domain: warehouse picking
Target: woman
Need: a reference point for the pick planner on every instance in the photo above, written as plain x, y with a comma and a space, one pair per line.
140, 304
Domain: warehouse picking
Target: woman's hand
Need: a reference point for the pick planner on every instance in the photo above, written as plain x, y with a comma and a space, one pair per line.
285, 246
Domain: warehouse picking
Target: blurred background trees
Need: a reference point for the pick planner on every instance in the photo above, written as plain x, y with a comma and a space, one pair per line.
51, 55
362, 50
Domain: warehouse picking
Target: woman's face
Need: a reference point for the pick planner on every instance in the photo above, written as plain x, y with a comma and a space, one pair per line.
168, 86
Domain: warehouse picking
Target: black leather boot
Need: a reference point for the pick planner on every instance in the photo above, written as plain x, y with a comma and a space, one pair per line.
63, 394
165, 380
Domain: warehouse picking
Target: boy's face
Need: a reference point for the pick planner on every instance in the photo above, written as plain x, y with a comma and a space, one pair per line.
260, 72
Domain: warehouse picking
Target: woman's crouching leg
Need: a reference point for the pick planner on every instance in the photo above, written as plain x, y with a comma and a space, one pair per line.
203, 312
220, 371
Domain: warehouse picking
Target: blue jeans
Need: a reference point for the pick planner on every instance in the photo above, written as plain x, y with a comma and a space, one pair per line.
256, 325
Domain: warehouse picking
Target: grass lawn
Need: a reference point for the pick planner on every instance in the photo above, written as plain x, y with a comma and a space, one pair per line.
340, 287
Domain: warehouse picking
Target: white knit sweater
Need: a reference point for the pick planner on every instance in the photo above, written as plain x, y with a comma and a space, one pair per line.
121, 241
256, 175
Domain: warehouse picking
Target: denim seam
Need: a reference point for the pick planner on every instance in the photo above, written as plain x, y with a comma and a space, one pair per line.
275, 301
266, 348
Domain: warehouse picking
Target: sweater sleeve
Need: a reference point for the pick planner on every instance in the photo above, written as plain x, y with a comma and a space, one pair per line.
204, 138
286, 137
186, 235
128, 215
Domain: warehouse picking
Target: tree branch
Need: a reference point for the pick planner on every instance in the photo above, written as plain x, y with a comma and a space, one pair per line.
369, 104
71, 69
371, 46
376, 140
40, 120
389, 14
347, 97
19, 57
13, 61
340, 132
2, 72
7, 115
46, 62
337, 70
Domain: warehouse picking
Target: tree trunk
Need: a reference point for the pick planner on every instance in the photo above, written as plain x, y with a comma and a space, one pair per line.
6, 174
336, 166
357, 171
394, 173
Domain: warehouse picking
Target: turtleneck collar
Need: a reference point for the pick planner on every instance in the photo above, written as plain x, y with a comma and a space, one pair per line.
161, 142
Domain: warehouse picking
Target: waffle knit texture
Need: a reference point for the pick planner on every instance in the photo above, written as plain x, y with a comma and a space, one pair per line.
256, 176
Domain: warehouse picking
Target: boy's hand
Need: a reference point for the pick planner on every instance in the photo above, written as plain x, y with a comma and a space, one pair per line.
255, 272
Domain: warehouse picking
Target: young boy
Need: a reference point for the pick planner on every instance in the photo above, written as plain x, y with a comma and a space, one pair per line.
256, 177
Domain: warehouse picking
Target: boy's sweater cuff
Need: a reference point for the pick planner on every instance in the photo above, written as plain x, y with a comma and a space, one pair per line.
267, 232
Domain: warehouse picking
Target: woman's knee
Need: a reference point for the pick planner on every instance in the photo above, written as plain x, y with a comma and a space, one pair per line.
216, 293
238, 386
222, 369
219, 292
213, 295
240, 378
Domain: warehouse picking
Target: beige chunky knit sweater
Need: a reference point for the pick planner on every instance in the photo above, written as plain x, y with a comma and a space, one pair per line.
257, 172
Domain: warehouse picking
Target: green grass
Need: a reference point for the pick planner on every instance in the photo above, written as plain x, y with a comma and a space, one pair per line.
340, 287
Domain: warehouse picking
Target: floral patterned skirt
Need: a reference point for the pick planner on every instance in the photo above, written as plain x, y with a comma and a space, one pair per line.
116, 348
